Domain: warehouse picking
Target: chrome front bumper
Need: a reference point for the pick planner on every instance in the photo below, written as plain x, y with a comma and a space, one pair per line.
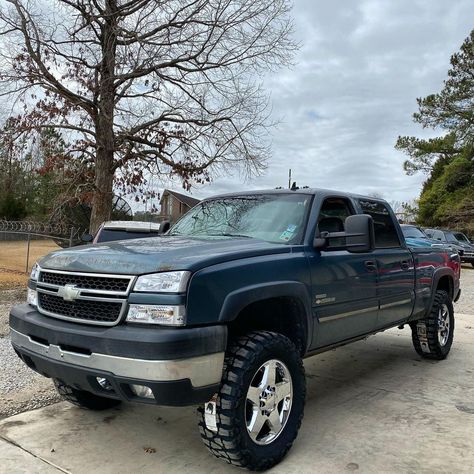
201, 371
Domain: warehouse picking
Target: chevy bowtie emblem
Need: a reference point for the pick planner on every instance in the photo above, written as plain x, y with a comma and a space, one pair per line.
69, 292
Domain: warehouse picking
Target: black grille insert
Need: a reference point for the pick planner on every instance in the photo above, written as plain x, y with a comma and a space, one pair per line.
85, 281
100, 311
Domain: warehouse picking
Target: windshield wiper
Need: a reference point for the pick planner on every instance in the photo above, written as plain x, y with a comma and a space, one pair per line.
226, 234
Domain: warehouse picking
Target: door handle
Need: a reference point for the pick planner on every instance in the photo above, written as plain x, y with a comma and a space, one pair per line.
370, 265
405, 264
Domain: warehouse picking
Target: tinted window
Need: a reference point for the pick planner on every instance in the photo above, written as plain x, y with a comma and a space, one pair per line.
450, 237
438, 235
410, 231
108, 235
334, 212
461, 237
385, 231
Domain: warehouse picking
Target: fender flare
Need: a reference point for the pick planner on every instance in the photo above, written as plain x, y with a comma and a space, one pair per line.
437, 275
237, 300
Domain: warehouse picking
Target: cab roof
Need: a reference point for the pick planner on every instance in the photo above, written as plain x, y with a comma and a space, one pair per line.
319, 192
136, 226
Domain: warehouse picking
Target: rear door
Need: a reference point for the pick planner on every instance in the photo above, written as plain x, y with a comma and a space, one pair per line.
344, 284
396, 270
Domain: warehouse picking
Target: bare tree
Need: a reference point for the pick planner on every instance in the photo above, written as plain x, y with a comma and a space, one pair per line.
171, 87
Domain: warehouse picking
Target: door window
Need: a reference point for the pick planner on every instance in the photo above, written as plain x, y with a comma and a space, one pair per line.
385, 231
334, 212
438, 235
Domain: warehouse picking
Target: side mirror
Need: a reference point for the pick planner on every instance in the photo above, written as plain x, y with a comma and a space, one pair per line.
164, 227
87, 238
359, 235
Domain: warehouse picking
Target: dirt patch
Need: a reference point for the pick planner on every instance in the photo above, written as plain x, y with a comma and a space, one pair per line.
12, 279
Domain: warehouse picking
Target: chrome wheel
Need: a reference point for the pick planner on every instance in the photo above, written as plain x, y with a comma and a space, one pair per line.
268, 402
443, 325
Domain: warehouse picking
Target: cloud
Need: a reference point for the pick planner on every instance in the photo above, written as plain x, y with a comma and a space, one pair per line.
353, 91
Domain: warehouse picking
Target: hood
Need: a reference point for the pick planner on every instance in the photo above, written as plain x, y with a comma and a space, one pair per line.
423, 240
418, 242
427, 242
465, 245
158, 254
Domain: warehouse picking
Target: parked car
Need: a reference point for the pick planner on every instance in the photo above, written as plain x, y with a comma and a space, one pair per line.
462, 237
457, 239
221, 311
416, 236
123, 230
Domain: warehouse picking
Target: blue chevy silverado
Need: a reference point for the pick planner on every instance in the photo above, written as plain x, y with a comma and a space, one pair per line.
221, 310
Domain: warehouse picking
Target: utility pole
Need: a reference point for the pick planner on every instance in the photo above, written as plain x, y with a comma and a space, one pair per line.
289, 178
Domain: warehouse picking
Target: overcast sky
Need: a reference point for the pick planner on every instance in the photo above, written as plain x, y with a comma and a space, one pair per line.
353, 90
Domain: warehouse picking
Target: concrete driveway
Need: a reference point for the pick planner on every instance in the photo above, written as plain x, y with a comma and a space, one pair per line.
373, 406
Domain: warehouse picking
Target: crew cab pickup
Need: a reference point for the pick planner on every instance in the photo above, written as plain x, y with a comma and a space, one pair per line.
221, 310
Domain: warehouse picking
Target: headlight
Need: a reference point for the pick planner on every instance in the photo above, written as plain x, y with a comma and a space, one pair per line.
35, 272
166, 282
169, 315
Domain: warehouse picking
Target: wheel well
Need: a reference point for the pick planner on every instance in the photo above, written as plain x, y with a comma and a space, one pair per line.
445, 283
285, 315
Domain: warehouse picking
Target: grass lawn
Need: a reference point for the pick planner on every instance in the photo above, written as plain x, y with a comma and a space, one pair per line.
13, 260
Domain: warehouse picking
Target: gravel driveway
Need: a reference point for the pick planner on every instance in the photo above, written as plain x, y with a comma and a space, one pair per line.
21, 389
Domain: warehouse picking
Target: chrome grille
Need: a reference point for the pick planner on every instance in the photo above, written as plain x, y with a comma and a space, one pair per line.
86, 298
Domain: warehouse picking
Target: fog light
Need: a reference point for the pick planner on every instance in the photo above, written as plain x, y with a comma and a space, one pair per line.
142, 391
32, 297
105, 384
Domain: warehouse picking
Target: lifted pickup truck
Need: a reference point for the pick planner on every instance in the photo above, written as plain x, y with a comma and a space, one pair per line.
221, 311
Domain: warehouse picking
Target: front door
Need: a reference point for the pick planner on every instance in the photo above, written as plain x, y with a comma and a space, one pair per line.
344, 284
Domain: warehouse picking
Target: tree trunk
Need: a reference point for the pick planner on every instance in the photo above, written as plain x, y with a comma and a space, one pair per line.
104, 123
103, 193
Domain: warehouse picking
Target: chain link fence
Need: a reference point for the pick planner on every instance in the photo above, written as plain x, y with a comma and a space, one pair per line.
22, 242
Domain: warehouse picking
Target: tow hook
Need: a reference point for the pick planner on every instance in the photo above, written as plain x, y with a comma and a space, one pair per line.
210, 414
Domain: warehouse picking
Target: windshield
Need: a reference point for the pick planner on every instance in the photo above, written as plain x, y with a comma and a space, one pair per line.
461, 237
108, 235
450, 237
278, 218
412, 232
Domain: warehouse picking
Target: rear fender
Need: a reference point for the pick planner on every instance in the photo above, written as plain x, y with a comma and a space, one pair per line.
438, 274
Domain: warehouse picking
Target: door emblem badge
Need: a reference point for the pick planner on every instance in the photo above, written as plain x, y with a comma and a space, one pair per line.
69, 292
324, 300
